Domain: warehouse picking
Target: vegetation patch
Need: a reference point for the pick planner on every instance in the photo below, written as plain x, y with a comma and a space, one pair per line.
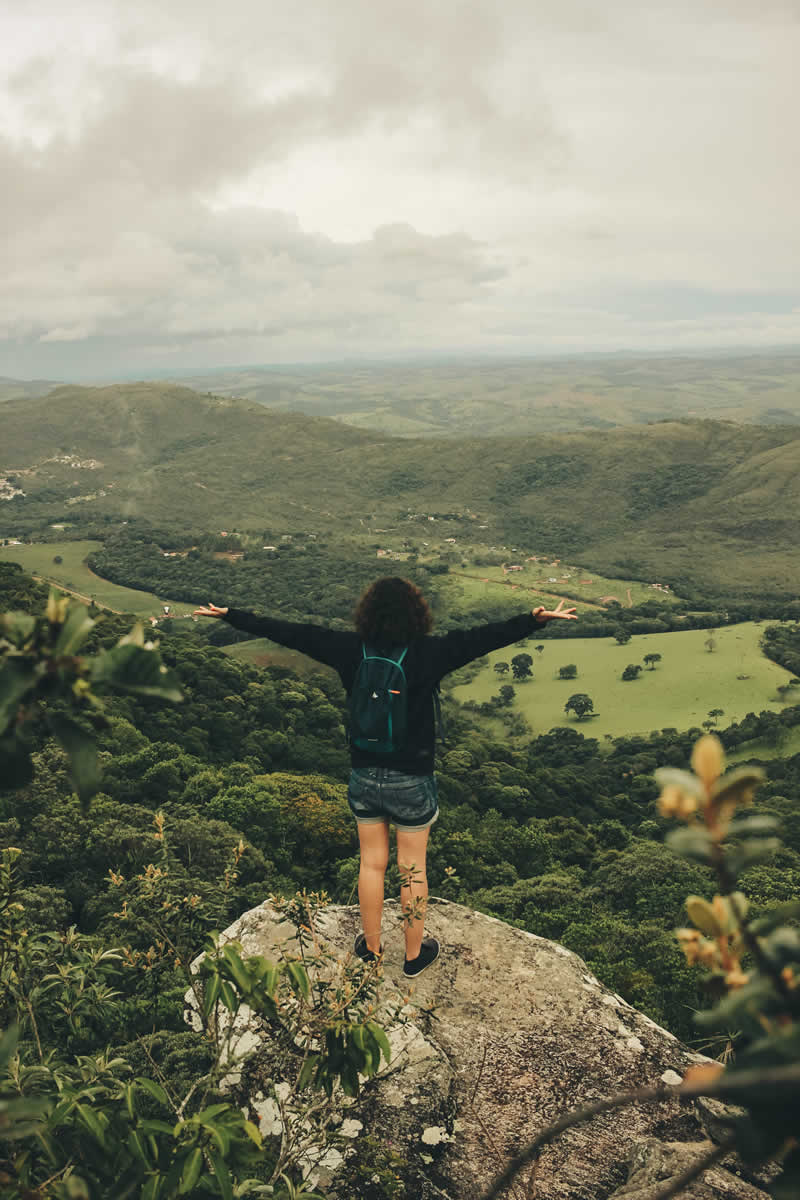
678, 691
64, 563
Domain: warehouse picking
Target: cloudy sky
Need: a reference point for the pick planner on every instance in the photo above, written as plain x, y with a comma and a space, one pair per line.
190, 184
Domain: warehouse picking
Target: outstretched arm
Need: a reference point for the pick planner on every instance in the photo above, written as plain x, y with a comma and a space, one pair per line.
325, 645
461, 646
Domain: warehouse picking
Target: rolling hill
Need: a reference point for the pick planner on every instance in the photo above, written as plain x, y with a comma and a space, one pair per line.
526, 396
702, 504
18, 389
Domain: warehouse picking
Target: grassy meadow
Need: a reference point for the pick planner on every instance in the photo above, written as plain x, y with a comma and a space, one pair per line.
74, 576
681, 690
543, 582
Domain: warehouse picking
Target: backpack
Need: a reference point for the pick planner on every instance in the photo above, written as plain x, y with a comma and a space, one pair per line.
379, 703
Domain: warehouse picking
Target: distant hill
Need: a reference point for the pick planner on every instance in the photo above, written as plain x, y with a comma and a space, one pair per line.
527, 396
711, 504
17, 389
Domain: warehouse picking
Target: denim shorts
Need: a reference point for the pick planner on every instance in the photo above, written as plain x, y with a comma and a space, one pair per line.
379, 794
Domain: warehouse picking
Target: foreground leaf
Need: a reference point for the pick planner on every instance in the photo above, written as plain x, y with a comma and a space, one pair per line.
131, 668
81, 749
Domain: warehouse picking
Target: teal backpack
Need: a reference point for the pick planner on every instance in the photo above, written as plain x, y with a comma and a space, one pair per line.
379, 703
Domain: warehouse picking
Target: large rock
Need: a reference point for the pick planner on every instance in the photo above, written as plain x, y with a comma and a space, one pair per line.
653, 1164
511, 1031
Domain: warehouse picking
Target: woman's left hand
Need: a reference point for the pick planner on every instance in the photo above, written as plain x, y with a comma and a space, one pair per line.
543, 614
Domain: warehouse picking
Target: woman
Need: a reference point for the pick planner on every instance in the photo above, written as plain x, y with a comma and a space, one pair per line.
397, 787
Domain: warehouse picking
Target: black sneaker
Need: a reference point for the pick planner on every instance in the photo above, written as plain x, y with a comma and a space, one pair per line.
364, 953
429, 952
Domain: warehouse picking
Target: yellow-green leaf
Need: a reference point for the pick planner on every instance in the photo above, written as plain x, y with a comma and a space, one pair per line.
192, 1169
154, 1089
254, 1133
703, 916
299, 979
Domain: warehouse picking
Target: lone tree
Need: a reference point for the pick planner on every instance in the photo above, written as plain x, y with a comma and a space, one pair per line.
521, 666
623, 636
540, 648
716, 712
506, 695
632, 671
501, 668
651, 660
581, 704
568, 672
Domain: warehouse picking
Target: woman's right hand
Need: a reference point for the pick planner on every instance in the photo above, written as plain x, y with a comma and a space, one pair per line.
210, 610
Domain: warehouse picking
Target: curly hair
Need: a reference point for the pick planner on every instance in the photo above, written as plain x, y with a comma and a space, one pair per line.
392, 611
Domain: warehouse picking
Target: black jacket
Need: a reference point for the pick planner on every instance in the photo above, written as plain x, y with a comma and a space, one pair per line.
428, 659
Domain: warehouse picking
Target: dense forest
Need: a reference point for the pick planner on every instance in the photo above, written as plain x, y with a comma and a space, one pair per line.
555, 833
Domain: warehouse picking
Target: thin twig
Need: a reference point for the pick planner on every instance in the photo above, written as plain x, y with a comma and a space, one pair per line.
61, 1170
29, 1007
532, 1180
471, 1100
497, 1152
778, 1079
471, 1104
159, 1073
676, 1185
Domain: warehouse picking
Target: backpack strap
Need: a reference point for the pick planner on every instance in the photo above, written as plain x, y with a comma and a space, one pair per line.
398, 662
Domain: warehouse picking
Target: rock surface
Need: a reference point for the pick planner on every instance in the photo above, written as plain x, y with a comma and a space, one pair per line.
520, 1032
653, 1164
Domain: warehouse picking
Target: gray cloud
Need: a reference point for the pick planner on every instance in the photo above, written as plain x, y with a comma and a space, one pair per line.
266, 180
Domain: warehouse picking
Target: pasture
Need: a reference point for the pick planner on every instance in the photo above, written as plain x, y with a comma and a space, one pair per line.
681, 690
545, 582
73, 575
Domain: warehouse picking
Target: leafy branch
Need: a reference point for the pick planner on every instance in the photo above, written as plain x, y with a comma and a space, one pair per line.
44, 680
754, 964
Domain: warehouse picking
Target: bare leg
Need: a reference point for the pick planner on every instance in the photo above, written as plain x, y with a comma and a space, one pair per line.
374, 841
411, 850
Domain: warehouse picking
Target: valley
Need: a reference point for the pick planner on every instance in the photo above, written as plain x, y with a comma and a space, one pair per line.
675, 542
704, 506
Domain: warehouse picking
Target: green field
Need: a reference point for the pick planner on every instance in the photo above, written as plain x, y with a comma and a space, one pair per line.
73, 575
544, 582
685, 685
